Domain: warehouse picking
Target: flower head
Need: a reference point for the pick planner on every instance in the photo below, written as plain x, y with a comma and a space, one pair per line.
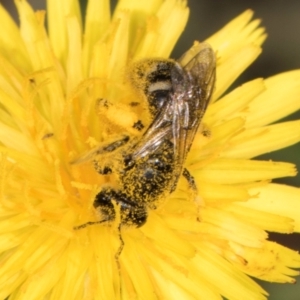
66, 90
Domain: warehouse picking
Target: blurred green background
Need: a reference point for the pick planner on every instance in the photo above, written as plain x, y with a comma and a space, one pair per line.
281, 52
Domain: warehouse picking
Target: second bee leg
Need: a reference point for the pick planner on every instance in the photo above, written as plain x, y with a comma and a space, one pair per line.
117, 258
190, 179
193, 187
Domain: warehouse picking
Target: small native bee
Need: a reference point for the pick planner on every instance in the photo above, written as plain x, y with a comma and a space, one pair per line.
178, 93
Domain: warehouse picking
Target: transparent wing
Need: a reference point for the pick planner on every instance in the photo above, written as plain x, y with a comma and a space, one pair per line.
157, 132
178, 121
197, 91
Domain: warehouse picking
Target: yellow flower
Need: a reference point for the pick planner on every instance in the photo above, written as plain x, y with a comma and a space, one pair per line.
53, 88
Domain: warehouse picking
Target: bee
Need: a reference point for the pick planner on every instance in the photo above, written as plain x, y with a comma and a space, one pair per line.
178, 93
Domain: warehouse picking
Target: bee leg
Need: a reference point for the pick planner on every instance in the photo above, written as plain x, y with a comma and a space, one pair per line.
103, 170
114, 145
103, 148
87, 224
190, 179
194, 191
131, 214
103, 204
117, 256
109, 150
120, 249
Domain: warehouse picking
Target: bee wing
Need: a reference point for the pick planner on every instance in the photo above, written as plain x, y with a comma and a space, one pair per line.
157, 132
202, 67
191, 96
179, 118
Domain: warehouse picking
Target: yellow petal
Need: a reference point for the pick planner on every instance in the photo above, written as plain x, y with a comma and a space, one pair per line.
163, 236
96, 24
257, 141
216, 193
16, 140
60, 12
271, 262
219, 138
262, 219
237, 45
143, 8
229, 70
280, 99
231, 171
277, 199
231, 227
41, 56
220, 273
159, 40
73, 62
235, 103
237, 33
11, 44
118, 56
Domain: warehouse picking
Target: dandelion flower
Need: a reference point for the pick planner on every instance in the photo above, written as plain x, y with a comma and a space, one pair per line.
53, 88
